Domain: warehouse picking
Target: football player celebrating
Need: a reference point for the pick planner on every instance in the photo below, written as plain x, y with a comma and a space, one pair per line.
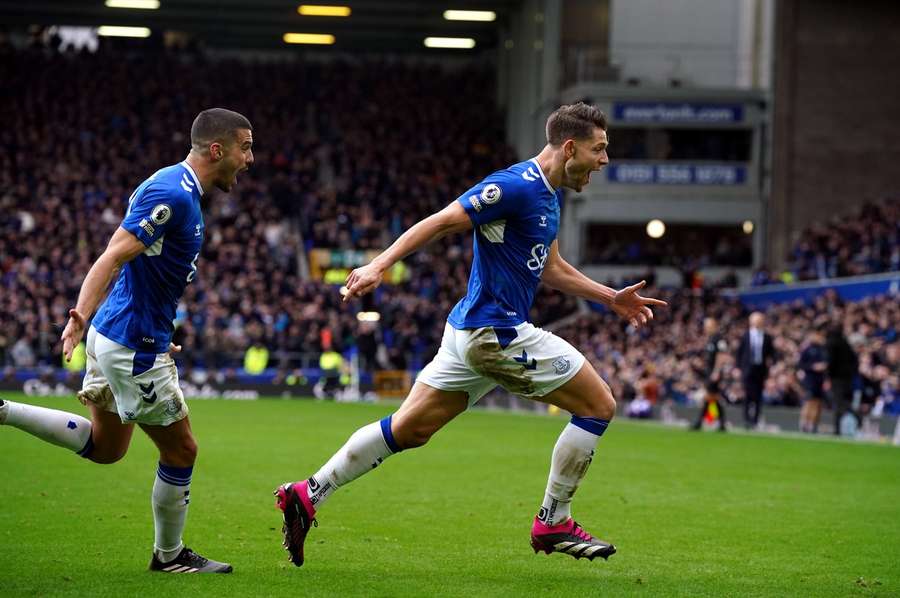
488, 340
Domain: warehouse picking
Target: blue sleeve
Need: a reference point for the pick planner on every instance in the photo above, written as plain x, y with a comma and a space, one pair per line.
497, 197
152, 212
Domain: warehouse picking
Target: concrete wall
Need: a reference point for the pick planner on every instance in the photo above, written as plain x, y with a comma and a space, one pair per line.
706, 43
836, 112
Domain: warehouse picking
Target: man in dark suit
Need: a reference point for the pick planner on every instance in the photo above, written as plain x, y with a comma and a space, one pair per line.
755, 355
843, 366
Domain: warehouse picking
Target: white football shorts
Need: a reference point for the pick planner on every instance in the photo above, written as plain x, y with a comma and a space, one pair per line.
140, 387
526, 361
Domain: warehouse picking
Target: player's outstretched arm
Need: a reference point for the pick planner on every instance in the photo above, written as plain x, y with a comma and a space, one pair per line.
366, 279
122, 248
563, 276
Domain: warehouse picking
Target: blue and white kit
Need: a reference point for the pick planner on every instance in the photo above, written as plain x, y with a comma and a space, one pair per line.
128, 343
488, 340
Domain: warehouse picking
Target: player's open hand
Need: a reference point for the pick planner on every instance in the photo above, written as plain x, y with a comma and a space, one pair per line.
362, 280
633, 307
72, 333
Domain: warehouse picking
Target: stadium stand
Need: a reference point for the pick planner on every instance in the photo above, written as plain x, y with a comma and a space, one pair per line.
665, 361
350, 173
864, 242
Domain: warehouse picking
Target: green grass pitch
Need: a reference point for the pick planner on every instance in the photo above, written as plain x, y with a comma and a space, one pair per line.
692, 514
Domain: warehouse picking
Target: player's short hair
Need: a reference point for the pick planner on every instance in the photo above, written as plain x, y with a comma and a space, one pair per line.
216, 124
574, 121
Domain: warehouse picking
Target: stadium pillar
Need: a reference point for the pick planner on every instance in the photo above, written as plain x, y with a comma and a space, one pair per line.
528, 81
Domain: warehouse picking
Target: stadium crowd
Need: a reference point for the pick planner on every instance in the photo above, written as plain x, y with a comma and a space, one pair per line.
337, 166
866, 242
665, 361
341, 167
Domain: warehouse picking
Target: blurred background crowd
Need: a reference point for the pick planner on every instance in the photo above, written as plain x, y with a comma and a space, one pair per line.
347, 168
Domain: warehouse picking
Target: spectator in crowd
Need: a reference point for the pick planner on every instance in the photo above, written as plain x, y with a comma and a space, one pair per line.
256, 358
811, 369
755, 355
333, 370
843, 366
66, 171
867, 242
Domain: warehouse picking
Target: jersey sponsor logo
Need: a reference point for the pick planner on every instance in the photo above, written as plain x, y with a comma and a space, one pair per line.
148, 228
197, 234
491, 194
160, 214
543, 221
530, 174
148, 340
561, 365
476, 203
538, 258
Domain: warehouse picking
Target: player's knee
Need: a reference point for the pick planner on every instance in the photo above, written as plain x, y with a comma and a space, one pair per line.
601, 405
608, 408
182, 454
189, 450
106, 451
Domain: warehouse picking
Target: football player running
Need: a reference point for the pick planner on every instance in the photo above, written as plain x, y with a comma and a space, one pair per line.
488, 340
131, 377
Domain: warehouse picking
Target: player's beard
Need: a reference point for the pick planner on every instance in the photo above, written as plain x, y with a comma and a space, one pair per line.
578, 177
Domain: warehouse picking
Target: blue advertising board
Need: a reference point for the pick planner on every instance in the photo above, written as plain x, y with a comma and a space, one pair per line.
677, 112
676, 174
848, 289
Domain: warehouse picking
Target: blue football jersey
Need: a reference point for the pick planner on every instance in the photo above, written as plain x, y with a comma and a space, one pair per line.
164, 213
515, 213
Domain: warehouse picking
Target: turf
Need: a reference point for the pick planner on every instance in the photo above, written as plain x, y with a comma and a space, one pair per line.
692, 514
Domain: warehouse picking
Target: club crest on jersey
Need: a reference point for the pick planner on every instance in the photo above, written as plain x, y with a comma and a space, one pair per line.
160, 214
491, 194
561, 365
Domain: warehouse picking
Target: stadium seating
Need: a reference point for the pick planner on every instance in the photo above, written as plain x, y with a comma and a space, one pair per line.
338, 166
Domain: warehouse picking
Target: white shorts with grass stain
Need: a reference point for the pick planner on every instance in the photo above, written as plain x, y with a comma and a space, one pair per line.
140, 387
525, 360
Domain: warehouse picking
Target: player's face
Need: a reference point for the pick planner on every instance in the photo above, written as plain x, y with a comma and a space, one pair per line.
237, 157
584, 156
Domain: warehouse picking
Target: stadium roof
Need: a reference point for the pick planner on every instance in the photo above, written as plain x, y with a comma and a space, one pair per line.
380, 25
